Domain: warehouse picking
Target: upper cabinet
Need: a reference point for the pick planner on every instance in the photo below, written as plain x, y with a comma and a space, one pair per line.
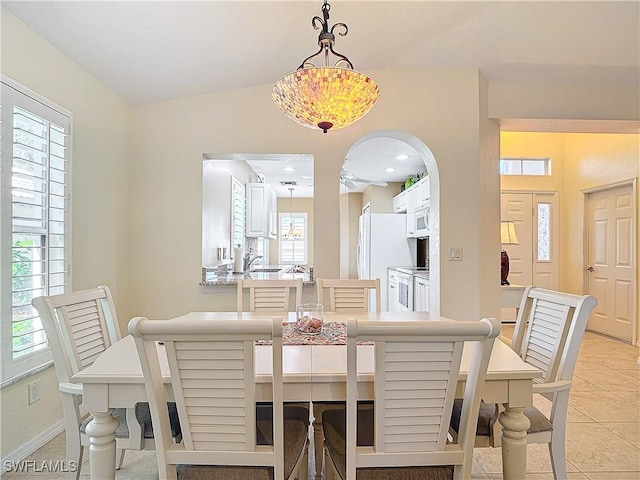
417, 194
400, 202
410, 195
422, 191
262, 214
414, 201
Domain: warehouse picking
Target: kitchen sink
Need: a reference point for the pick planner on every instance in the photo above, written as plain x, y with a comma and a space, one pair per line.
264, 270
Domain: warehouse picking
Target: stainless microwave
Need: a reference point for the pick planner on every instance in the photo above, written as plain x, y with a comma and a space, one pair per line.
421, 219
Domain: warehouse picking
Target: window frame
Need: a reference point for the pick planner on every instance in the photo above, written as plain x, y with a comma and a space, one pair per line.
545, 161
14, 94
304, 240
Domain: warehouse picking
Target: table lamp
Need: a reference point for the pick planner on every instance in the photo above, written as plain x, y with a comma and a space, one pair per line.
507, 237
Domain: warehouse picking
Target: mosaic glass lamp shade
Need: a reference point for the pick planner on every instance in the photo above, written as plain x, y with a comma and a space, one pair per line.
326, 96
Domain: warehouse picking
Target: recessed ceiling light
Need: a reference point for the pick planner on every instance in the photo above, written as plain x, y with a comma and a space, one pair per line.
389, 170
289, 169
306, 177
402, 157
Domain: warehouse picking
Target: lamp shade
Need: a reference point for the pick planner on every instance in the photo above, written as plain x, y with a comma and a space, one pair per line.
325, 97
508, 233
328, 96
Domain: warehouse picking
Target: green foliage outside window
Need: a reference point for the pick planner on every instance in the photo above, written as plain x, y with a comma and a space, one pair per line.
22, 271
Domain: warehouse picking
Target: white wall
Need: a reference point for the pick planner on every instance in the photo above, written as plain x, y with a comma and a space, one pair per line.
101, 155
170, 138
564, 101
380, 198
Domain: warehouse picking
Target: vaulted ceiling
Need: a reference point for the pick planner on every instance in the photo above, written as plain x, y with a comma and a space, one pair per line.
149, 51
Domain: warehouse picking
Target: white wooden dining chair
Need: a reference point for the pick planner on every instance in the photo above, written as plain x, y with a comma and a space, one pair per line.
404, 435
79, 326
547, 335
349, 295
344, 295
224, 434
268, 295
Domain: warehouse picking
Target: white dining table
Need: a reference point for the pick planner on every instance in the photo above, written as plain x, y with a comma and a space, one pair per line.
312, 373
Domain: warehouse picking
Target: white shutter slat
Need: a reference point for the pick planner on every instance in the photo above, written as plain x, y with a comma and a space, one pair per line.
35, 153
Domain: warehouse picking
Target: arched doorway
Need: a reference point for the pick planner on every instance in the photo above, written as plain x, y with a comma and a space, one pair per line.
364, 161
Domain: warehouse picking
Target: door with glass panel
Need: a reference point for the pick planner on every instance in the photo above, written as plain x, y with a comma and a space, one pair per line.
534, 260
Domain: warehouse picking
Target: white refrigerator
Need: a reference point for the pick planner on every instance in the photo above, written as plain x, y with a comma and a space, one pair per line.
383, 243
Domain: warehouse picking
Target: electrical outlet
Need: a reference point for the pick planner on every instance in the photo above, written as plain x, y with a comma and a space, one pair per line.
455, 254
34, 392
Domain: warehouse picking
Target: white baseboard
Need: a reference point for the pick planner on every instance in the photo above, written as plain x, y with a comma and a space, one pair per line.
26, 449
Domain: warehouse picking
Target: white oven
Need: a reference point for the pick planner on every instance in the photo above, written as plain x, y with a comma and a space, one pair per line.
405, 291
421, 219
400, 291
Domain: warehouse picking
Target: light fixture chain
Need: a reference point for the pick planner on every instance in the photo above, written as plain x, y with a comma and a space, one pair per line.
327, 39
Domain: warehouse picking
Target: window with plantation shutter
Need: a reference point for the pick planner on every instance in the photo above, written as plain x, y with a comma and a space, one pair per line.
34, 238
237, 213
293, 238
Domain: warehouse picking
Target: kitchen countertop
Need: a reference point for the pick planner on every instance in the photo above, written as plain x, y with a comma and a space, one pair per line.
419, 271
211, 278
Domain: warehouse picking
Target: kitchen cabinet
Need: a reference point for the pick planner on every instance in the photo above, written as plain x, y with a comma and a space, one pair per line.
400, 290
393, 289
262, 204
272, 214
411, 206
421, 302
414, 197
400, 202
422, 191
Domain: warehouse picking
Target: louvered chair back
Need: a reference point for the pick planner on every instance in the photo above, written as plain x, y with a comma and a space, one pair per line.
86, 323
349, 295
548, 334
417, 366
80, 326
541, 333
269, 295
211, 367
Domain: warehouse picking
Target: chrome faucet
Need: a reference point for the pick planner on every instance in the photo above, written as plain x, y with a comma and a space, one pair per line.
248, 260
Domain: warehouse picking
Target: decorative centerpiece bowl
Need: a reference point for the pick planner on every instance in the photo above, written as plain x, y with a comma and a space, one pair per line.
309, 318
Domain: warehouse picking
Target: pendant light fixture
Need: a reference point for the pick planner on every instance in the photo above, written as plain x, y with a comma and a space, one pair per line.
329, 96
290, 234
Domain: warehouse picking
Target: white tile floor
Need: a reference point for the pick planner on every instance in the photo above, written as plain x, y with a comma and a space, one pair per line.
603, 431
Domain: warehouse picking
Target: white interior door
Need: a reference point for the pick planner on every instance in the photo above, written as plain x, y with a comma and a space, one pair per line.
518, 207
534, 261
611, 263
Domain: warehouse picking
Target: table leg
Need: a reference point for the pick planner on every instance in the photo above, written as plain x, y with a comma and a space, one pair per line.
318, 437
514, 442
102, 445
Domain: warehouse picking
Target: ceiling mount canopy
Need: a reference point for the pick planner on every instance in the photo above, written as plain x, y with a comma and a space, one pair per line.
328, 96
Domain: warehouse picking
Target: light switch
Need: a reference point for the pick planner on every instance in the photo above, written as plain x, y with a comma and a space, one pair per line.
455, 254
